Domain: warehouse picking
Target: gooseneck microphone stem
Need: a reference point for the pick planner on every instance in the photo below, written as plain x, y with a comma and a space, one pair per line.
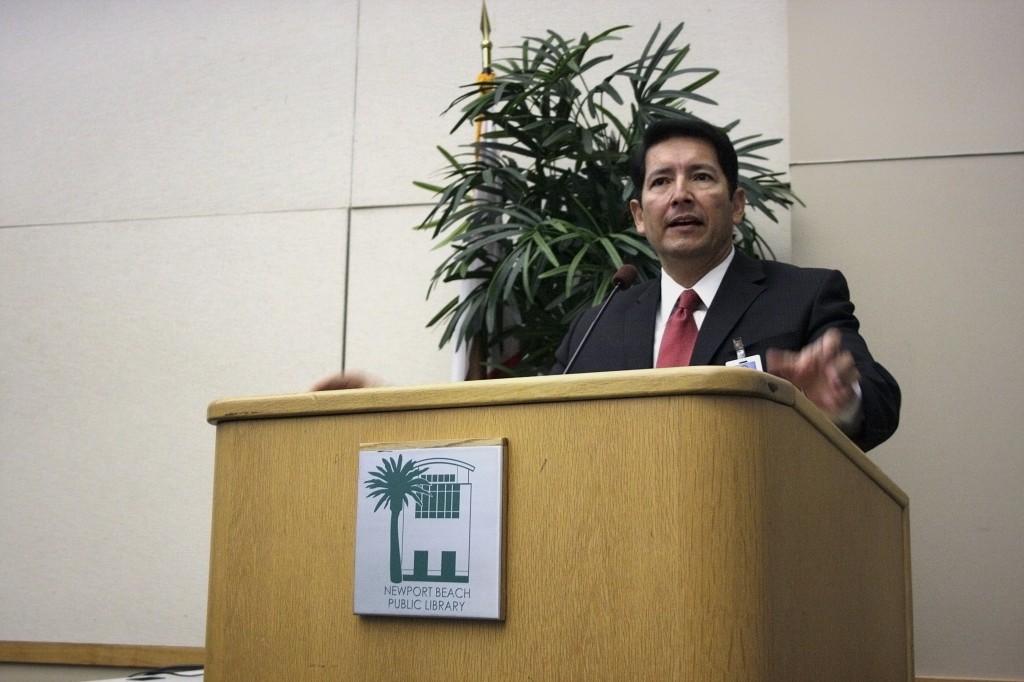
623, 279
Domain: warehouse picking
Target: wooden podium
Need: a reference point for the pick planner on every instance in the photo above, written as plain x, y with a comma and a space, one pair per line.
687, 524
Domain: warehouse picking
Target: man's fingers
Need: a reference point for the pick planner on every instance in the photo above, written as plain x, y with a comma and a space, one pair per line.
845, 369
826, 347
344, 380
780, 362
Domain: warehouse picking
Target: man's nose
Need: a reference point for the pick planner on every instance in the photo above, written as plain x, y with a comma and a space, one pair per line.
681, 192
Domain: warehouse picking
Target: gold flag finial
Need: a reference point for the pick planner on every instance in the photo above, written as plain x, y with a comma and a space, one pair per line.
485, 44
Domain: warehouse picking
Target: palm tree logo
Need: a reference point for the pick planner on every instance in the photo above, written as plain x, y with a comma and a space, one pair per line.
394, 483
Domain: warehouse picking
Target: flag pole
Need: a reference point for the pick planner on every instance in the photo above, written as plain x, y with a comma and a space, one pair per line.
470, 363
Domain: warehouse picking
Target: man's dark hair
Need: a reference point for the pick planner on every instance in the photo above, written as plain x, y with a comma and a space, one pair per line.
670, 128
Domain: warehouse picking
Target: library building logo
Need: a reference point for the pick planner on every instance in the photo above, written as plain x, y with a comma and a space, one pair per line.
429, 531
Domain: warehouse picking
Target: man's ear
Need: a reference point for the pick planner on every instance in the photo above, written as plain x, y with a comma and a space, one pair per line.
638, 214
739, 205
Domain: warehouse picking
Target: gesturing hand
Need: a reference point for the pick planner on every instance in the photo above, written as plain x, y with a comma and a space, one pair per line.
822, 370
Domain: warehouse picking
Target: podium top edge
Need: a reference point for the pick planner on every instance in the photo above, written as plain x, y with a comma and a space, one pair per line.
735, 381
695, 381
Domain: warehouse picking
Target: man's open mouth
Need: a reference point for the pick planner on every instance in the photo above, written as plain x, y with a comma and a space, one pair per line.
685, 221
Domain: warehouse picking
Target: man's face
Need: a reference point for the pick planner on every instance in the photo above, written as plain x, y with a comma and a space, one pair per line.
685, 211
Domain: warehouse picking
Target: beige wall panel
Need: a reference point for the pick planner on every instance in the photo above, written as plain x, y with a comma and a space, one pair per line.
389, 272
933, 251
885, 79
932, 246
124, 110
114, 339
413, 58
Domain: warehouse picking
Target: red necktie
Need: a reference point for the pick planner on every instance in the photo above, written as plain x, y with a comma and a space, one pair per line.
680, 332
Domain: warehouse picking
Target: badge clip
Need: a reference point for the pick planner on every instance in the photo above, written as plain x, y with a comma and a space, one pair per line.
753, 362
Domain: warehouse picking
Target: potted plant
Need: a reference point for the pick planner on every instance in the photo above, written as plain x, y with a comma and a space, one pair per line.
536, 212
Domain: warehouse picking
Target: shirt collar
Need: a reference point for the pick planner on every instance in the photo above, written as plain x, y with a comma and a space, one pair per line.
706, 287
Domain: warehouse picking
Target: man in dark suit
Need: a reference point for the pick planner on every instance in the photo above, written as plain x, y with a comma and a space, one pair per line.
800, 321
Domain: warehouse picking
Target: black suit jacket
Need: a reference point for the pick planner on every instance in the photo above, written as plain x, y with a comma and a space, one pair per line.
767, 304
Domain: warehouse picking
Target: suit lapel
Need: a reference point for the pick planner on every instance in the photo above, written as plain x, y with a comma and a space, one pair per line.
742, 284
638, 327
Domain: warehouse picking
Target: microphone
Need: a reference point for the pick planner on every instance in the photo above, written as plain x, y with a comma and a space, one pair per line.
623, 279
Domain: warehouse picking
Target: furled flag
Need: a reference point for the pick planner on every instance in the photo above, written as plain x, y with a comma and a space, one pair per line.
468, 361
